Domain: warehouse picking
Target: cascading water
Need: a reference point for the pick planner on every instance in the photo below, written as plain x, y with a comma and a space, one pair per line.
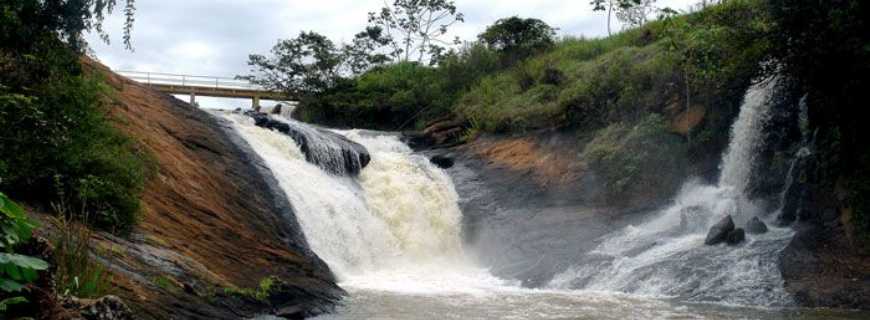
666, 255
394, 226
391, 234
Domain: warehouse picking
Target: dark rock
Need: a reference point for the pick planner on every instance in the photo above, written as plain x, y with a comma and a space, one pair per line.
756, 226
331, 152
277, 109
735, 237
106, 308
442, 162
720, 231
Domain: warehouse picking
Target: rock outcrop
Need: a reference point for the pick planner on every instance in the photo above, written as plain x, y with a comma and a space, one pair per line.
210, 219
440, 133
326, 149
756, 226
720, 231
442, 161
735, 237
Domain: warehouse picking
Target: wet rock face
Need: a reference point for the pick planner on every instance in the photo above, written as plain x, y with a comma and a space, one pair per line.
106, 308
442, 162
328, 150
720, 231
735, 237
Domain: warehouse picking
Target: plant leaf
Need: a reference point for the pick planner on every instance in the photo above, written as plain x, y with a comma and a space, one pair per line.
10, 286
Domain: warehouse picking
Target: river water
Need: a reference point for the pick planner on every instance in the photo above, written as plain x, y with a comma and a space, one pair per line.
392, 236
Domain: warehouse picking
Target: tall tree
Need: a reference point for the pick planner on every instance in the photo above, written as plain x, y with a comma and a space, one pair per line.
636, 15
610, 6
307, 64
25, 20
516, 38
417, 27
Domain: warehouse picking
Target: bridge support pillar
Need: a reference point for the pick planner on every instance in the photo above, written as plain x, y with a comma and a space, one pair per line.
255, 103
193, 99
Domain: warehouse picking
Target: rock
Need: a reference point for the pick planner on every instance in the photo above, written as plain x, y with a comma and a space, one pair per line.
756, 226
735, 237
720, 231
277, 109
106, 308
326, 149
442, 162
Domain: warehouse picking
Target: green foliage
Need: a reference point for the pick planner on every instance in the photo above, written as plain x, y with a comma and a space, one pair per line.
305, 65
401, 95
634, 159
516, 38
260, 293
625, 76
16, 270
824, 51
23, 21
414, 28
58, 141
76, 272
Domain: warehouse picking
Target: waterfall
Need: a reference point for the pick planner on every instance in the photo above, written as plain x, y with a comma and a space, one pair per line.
738, 160
666, 255
393, 224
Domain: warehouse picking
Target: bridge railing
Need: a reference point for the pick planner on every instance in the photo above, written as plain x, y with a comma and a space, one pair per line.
189, 80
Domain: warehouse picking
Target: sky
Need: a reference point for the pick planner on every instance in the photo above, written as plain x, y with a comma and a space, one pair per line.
215, 37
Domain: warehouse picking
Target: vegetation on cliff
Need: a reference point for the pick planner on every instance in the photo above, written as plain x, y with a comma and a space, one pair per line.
59, 146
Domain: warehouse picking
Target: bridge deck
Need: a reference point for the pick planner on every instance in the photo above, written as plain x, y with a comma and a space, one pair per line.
205, 86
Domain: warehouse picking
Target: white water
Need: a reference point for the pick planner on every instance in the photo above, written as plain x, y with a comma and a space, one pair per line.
392, 237
395, 227
666, 255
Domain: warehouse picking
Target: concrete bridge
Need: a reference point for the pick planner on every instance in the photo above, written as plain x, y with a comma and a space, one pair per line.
206, 86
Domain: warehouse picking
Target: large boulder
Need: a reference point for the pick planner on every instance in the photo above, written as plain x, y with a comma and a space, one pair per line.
735, 237
756, 226
328, 150
719, 232
442, 162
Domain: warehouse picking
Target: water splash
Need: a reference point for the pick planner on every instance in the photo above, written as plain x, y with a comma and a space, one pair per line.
666, 255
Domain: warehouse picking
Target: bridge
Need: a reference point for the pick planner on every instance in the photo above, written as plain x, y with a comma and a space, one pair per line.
205, 86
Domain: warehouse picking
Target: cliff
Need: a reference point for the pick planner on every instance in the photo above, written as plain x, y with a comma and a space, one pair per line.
211, 222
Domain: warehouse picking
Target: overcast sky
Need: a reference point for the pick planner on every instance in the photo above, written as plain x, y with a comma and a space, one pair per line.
215, 37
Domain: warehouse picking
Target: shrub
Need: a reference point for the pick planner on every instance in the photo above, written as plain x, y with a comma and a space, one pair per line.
16, 270
58, 142
77, 273
631, 160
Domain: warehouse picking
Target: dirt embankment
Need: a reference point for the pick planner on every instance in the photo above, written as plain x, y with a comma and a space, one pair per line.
210, 220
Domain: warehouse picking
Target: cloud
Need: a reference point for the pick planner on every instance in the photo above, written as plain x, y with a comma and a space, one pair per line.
215, 37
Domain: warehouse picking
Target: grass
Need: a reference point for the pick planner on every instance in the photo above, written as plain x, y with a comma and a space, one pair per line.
713, 54
260, 293
77, 273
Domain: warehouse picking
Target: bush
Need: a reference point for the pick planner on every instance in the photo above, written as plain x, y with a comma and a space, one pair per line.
633, 160
16, 270
58, 142
76, 273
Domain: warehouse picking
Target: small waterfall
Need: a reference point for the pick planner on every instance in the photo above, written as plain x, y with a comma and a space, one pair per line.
666, 255
397, 219
739, 159
326, 149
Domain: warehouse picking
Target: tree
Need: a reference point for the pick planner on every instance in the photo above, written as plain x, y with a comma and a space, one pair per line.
636, 15
362, 54
416, 27
517, 38
610, 5
24, 21
307, 64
